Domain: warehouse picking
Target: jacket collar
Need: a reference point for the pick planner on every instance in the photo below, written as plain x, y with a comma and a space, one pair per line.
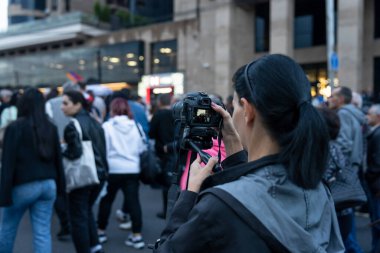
235, 172
81, 113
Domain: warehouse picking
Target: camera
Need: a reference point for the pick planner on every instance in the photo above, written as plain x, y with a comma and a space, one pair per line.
198, 120
195, 110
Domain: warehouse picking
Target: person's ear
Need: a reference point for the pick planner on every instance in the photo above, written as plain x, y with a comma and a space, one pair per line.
249, 111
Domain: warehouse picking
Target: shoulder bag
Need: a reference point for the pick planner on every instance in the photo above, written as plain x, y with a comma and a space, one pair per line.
81, 172
150, 167
345, 186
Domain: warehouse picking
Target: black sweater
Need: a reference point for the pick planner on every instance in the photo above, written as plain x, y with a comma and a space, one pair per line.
22, 164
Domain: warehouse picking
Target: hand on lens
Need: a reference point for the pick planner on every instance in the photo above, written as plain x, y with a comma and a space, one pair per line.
198, 173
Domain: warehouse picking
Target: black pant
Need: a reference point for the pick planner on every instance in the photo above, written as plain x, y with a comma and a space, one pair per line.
129, 184
61, 208
168, 162
345, 224
83, 226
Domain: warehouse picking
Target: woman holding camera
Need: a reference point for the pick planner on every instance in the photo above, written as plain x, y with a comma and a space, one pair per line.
268, 198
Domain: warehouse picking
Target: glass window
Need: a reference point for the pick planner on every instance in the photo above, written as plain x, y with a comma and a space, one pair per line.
317, 75
118, 63
376, 80
262, 27
164, 56
309, 23
123, 62
303, 27
377, 19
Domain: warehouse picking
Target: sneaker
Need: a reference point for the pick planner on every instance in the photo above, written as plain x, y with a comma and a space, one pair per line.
64, 234
102, 237
125, 225
121, 216
135, 242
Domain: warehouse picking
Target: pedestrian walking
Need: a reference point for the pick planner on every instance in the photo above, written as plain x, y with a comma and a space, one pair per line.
162, 130
81, 200
31, 173
373, 173
268, 198
124, 146
351, 141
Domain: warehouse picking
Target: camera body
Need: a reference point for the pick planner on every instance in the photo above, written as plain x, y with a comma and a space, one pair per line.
195, 110
197, 119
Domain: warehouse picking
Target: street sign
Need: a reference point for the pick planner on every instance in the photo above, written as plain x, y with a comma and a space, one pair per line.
334, 61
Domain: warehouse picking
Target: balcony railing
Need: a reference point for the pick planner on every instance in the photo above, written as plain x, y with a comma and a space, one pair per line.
53, 22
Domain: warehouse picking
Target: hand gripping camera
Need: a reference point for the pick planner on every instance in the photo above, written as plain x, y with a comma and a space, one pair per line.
198, 120
198, 124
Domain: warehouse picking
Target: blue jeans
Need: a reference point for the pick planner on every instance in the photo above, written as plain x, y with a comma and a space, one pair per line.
37, 197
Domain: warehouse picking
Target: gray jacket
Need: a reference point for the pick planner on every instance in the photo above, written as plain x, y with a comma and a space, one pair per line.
350, 138
301, 220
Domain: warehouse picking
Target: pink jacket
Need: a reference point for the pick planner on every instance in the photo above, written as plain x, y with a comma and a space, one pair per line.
212, 151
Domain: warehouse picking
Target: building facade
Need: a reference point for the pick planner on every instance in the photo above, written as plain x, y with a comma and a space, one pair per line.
206, 41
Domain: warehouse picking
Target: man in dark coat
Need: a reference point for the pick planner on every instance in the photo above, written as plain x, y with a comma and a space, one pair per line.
373, 173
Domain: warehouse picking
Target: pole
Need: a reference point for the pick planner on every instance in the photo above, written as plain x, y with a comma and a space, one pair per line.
99, 65
330, 34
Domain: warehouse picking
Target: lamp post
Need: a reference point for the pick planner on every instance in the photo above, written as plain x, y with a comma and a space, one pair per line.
332, 58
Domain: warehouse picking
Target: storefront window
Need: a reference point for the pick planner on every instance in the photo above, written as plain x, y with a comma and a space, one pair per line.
262, 27
118, 63
309, 23
317, 75
123, 62
164, 56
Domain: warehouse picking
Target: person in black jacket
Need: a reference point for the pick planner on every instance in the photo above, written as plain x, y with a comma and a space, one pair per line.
31, 173
373, 173
81, 200
269, 198
162, 130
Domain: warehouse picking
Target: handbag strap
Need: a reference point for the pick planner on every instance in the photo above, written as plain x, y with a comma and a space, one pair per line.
78, 128
141, 134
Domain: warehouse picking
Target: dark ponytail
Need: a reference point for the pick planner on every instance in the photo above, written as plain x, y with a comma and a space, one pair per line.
277, 86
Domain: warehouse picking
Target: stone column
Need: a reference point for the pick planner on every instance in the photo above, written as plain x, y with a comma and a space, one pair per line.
350, 42
281, 27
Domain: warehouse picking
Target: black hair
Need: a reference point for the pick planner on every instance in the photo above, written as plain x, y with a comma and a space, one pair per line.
165, 99
332, 121
278, 88
346, 93
82, 85
31, 106
77, 97
14, 98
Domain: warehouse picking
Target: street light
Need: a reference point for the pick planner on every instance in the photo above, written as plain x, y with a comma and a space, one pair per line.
332, 57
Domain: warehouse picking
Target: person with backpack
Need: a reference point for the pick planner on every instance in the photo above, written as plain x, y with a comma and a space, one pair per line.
351, 141
269, 197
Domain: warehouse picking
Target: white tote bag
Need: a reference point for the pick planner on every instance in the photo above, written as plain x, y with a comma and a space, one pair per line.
82, 171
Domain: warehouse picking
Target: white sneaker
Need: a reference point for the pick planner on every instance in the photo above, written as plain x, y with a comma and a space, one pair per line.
134, 242
125, 225
121, 216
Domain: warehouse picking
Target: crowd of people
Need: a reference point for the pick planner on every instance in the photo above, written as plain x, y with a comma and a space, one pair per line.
281, 156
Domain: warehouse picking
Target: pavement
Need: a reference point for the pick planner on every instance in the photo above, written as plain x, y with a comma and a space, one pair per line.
151, 202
